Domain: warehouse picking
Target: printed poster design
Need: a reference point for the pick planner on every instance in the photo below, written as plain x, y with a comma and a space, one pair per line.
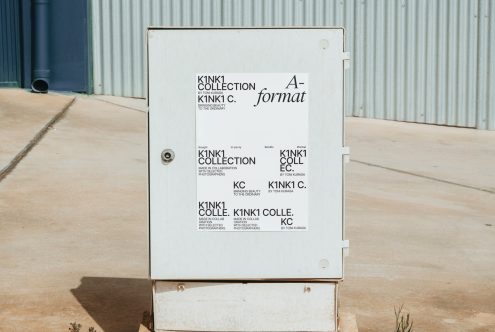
252, 151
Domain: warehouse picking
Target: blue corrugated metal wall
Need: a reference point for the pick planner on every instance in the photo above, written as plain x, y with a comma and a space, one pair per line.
68, 44
412, 60
10, 43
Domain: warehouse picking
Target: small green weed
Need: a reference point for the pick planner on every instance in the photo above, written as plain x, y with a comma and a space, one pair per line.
75, 327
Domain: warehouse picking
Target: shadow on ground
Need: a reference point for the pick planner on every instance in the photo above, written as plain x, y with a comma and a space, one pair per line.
116, 304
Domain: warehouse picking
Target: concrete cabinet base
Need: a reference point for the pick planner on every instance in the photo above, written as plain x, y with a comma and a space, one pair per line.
251, 306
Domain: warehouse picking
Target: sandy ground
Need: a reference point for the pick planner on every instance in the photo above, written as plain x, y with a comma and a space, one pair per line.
73, 221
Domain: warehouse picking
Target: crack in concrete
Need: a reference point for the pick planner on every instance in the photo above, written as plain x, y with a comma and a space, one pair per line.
34, 141
424, 176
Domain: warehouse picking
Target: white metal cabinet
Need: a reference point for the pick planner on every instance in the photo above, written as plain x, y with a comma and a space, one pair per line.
179, 249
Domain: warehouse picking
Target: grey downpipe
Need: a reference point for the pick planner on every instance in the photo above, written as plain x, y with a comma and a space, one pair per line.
41, 54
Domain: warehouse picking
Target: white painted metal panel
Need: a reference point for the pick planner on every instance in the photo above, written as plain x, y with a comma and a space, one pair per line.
200, 306
178, 250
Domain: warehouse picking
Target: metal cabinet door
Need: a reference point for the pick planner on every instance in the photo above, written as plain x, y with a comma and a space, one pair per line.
179, 248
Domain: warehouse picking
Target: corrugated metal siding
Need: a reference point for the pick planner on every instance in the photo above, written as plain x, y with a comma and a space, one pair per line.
486, 65
413, 60
10, 65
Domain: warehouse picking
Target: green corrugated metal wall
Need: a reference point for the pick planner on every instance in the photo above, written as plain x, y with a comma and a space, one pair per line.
426, 61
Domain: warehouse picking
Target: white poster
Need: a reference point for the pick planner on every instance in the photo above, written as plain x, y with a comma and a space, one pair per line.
252, 151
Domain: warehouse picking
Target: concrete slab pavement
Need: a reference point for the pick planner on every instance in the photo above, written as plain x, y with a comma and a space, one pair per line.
73, 225
23, 117
424, 244
415, 240
459, 155
137, 104
73, 235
